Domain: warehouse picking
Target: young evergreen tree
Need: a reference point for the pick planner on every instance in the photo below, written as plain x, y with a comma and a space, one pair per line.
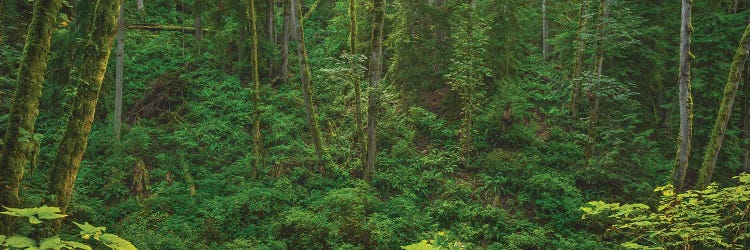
725, 111
20, 143
93, 46
376, 71
312, 120
686, 113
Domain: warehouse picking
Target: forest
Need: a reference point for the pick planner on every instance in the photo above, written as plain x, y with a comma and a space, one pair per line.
374, 124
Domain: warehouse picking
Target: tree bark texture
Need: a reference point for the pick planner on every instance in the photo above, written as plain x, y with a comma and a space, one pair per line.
376, 72
579, 54
359, 144
286, 34
545, 31
257, 158
598, 70
119, 70
307, 90
725, 111
91, 54
19, 142
685, 100
271, 29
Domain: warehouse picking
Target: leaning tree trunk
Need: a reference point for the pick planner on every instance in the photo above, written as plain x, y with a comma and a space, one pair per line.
358, 136
376, 72
19, 142
94, 42
119, 70
312, 121
686, 113
725, 111
579, 54
257, 159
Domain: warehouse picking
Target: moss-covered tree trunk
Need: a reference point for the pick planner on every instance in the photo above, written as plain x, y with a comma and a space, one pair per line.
376, 72
579, 54
19, 142
746, 121
93, 46
593, 97
252, 18
312, 120
359, 144
686, 113
725, 111
286, 34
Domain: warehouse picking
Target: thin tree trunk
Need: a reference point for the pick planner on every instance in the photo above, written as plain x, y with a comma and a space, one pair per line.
746, 121
271, 29
725, 111
257, 159
545, 31
686, 109
580, 51
592, 95
140, 6
376, 71
358, 135
19, 142
198, 22
312, 121
91, 55
119, 70
242, 69
285, 36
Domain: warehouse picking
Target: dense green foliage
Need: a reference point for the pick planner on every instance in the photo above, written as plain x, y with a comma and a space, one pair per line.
475, 139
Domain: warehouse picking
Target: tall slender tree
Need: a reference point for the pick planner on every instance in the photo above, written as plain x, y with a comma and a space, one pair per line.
19, 142
119, 70
376, 72
93, 46
579, 54
257, 158
686, 109
725, 111
545, 31
271, 29
358, 136
598, 70
307, 91
286, 35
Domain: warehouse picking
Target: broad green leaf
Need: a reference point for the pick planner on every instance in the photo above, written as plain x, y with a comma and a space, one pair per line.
53, 242
76, 245
88, 229
2, 239
49, 213
20, 242
422, 245
116, 243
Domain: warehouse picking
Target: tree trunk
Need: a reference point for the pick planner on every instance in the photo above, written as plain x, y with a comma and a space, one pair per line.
285, 36
312, 121
198, 22
119, 70
592, 95
725, 111
545, 31
580, 51
257, 159
161, 27
686, 109
140, 6
271, 29
242, 70
376, 71
19, 141
91, 55
746, 121
358, 135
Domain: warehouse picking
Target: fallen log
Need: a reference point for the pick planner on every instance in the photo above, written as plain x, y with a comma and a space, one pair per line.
160, 27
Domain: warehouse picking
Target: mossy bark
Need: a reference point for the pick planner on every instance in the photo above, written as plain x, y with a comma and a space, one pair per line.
579, 54
286, 35
725, 111
19, 141
359, 144
593, 97
257, 143
686, 113
307, 91
376, 72
90, 63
